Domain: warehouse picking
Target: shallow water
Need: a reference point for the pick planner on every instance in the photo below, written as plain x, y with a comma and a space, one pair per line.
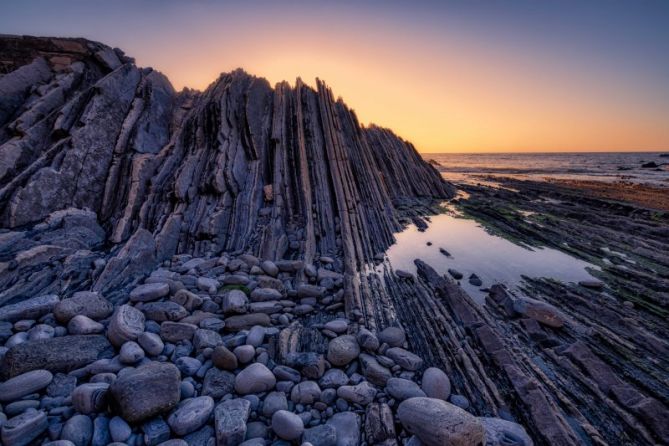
474, 250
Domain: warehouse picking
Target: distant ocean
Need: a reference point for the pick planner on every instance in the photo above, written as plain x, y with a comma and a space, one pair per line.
539, 166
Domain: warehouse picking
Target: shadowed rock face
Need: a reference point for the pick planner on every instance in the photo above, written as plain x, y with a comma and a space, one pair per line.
92, 145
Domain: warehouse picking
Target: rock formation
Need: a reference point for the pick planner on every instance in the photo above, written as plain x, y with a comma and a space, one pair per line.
98, 156
189, 264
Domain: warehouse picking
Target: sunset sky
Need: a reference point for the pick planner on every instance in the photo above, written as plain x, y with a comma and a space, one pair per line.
449, 76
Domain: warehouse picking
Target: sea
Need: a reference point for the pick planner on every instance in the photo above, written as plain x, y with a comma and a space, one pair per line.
494, 259
612, 167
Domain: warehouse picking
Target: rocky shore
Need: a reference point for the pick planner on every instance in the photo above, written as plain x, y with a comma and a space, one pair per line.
202, 268
228, 350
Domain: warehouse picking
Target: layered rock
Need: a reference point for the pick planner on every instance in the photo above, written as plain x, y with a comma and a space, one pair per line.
284, 172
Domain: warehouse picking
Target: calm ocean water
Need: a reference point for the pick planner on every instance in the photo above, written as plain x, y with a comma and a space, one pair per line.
584, 166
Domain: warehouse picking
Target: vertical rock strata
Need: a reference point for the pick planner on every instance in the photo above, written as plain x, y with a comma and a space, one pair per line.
282, 173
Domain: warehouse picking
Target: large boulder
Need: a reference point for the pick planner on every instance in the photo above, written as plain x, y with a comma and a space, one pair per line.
437, 423
147, 391
62, 354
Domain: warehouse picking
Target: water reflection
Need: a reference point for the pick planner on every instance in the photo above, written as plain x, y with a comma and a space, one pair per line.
473, 250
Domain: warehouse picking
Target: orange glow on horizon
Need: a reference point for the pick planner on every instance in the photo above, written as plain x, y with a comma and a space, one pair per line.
449, 95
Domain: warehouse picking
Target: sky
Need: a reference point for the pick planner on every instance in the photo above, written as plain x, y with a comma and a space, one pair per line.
449, 76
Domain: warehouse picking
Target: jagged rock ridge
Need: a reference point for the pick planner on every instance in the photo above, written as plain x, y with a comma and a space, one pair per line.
92, 144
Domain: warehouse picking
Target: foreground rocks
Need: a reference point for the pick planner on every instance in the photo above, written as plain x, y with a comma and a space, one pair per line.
216, 373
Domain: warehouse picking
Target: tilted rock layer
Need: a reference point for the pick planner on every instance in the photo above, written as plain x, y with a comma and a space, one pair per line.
97, 154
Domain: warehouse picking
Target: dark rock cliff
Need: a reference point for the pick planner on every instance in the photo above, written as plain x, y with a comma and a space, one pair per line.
98, 156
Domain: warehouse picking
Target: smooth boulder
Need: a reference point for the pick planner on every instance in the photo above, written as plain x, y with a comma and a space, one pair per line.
437, 423
146, 391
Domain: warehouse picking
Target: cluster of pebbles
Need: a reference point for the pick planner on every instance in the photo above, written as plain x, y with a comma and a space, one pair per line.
207, 351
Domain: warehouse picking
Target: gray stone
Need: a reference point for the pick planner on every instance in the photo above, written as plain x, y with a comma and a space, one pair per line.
322, 435
83, 303
373, 371
186, 299
362, 393
32, 308
256, 336
164, 311
147, 391
542, 312
61, 354
273, 402
22, 429
188, 366
379, 425
306, 290
151, 343
246, 321
24, 384
404, 358
218, 383
244, 353
333, 378
265, 294
402, 389
287, 425
131, 353
368, 340
206, 339
224, 358
149, 292
436, 384
177, 331
90, 397
338, 326
126, 324
270, 268
235, 301
393, 336
342, 350
255, 378
119, 430
191, 415
208, 285
436, 422
499, 432
230, 421
78, 430
83, 325
156, 431
306, 392
101, 435
61, 385
347, 426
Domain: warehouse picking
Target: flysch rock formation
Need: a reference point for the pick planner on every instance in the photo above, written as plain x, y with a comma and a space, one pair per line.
188, 268
200, 268
107, 153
